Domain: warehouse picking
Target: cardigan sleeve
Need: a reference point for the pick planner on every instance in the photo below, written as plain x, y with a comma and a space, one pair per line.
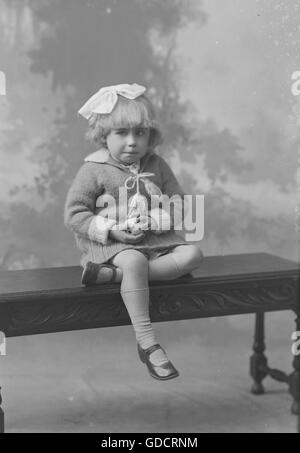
80, 205
172, 217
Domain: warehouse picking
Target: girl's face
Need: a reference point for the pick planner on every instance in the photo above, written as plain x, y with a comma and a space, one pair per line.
128, 145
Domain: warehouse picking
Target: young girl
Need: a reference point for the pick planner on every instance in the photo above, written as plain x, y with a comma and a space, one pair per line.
130, 239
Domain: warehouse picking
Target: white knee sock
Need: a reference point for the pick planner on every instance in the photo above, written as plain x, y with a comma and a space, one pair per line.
137, 304
165, 268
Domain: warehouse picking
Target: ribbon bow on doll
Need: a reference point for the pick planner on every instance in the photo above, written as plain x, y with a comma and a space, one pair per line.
106, 98
137, 218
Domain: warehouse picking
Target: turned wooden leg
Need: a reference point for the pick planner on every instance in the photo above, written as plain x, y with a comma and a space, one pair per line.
258, 361
1, 415
294, 380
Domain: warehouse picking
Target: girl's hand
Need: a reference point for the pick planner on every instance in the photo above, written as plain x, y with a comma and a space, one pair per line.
126, 237
144, 223
135, 224
151, 223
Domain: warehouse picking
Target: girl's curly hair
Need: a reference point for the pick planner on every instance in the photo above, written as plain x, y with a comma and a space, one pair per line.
128, 113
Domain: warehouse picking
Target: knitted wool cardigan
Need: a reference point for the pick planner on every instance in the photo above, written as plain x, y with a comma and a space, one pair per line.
88, 218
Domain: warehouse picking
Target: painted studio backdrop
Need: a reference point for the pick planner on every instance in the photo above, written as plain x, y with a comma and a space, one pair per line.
220, 75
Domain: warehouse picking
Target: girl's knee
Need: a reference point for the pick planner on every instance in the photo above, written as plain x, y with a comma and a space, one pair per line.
132, 261
195, 255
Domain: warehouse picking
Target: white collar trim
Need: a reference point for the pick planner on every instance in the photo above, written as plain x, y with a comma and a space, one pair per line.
101, 156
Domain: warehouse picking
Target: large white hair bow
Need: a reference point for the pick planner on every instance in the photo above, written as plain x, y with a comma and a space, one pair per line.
106, 98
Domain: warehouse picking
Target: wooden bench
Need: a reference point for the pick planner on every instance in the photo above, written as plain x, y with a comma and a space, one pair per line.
53, 300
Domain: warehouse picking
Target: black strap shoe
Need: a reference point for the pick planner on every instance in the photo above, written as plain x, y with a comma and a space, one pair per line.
91, 274
162, 372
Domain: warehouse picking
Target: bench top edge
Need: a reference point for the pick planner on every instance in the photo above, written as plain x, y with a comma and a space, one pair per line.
215, 269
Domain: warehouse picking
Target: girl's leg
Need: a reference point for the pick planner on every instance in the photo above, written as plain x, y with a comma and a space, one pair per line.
181, 260
135, 294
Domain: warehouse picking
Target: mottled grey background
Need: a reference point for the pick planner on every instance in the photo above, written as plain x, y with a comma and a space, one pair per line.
220, 76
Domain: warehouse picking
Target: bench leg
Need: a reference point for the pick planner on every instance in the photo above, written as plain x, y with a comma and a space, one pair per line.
1, 416
294, 380
258, 361
259, 369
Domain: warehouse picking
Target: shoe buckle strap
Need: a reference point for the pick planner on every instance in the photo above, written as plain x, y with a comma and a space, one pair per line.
153, 348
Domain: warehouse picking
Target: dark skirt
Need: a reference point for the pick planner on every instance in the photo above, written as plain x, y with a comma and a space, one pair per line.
99, 253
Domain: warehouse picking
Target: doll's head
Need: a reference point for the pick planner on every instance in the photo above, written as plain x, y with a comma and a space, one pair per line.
122, 113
